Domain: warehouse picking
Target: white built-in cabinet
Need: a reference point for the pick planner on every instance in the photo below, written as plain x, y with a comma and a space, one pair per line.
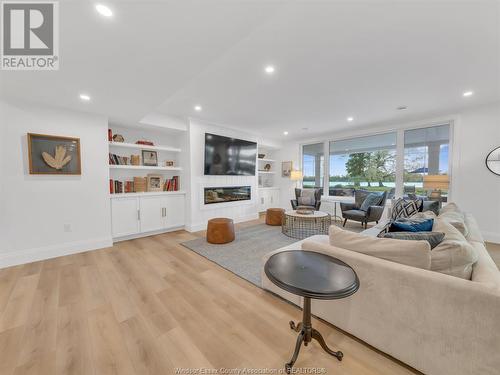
148, 212
268, 197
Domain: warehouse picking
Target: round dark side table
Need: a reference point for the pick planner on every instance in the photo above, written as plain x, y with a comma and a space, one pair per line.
311, 275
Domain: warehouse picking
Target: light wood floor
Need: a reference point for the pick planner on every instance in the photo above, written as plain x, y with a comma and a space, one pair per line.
149, 305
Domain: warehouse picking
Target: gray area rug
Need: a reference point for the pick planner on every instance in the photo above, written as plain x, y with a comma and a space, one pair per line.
243, 256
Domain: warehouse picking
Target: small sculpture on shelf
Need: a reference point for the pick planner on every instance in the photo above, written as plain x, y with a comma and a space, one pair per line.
118, 138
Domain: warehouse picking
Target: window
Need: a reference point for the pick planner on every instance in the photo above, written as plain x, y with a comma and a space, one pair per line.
365, 162
313, 165
426, 162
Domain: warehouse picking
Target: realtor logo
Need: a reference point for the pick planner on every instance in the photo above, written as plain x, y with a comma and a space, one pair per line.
30, 35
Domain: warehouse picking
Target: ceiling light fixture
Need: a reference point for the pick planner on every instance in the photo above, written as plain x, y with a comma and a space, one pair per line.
468, 93
103, 10
197, 108
269, 69
285, 133
350, 119
84, 97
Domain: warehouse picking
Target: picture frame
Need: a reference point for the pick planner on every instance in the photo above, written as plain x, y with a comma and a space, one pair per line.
169, 163
286, 168
149, 158
53, 155
154, 182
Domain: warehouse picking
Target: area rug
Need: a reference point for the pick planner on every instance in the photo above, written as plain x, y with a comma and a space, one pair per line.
244, 255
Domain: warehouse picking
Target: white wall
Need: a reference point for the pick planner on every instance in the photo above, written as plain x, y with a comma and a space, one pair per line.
475, 188
36, 208
198, 215
476, 132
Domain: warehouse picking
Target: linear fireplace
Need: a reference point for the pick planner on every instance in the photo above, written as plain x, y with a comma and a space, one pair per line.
227, 194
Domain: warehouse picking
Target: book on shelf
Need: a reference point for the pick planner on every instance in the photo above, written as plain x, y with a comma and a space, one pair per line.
120, 187
118, 160
172, 184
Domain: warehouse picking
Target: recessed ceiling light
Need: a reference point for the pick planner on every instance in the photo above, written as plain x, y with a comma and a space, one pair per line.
401, 108
197, 108
103, 10
350, 119
269, 69
85, 97
468, 93
285, 133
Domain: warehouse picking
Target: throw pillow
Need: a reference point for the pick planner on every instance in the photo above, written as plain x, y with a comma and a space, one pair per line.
411, 253
434, 238
404, 208
305, 201
454, 256
372, 199
411, 225
359, 197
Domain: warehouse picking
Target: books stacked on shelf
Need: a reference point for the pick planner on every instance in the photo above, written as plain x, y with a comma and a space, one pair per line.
119, 187
172, 184
118, 160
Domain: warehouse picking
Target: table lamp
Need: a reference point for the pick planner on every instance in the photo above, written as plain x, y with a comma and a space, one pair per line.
296, 176
437, 182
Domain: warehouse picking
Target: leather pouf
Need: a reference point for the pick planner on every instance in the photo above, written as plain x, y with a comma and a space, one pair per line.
220, 230
274, 216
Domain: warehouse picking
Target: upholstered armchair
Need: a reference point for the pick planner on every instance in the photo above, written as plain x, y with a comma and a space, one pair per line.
352, 211
307, 198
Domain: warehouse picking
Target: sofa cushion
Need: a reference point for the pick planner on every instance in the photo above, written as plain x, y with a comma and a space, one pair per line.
434, 238
405, 208
411, 253
454, 256
411, 225
453, 215
354, 214
372, 199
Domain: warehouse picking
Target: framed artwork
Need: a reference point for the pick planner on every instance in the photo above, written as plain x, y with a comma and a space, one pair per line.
169, 163
154, 182
50, 154
149, 158
286, 168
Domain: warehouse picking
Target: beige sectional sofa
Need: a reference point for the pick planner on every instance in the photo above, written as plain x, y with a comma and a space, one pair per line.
436, 323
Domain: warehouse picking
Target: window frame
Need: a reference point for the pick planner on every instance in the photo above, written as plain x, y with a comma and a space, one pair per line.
400, 146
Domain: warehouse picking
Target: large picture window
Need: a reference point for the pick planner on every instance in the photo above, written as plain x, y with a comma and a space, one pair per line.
368, 163
426, 162
313, 162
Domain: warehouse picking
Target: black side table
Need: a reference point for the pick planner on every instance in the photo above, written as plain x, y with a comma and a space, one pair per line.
311, 275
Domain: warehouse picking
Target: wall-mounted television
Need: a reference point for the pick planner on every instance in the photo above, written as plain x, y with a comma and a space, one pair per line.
229, 156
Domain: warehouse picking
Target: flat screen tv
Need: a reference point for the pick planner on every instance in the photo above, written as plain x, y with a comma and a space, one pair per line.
229, 156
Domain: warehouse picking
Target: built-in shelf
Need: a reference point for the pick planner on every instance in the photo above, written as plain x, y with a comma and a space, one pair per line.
144, 147
267, 160
267, 172
144, 167
148, 193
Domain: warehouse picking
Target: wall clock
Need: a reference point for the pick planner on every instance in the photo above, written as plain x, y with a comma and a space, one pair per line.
493, 161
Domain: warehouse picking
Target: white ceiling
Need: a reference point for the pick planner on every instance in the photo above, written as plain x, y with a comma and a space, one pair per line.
333, 59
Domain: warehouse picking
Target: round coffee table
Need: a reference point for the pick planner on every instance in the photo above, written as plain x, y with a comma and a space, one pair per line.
300, 226
311, 275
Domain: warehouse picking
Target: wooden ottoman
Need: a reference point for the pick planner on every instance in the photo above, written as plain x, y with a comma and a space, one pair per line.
220, 230
274, 216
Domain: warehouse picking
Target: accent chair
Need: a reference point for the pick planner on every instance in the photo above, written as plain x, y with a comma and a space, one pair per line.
352, 211
307, 198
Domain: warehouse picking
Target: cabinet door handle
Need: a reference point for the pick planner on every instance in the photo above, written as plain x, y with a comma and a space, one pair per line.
138, 214
164, 212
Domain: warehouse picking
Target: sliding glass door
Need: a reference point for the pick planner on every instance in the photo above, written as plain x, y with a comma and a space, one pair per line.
407, 162
313, 161
365, 162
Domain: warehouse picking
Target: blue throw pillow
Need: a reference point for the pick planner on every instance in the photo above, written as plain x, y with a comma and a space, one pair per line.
372, 199
408, 225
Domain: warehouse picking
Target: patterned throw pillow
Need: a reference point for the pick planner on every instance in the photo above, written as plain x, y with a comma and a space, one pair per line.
404, 208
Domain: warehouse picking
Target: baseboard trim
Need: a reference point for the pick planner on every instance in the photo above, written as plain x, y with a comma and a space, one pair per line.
202, 226
147, 234
14, 258
491, 237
